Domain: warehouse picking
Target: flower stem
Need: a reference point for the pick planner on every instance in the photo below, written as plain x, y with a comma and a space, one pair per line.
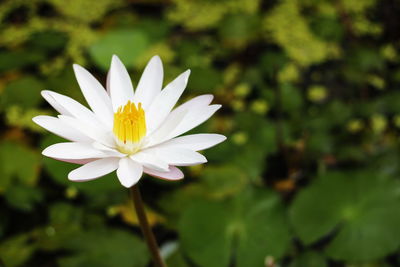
144, 225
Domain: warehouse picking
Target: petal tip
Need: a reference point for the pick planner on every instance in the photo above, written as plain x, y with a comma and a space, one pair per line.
180, 176
187, 74
223, 137
156, 60
45, 152
156, 57
45, 93
71, 176
115, 60
217, 106
209, 97
79, 71
38, 119
128, 185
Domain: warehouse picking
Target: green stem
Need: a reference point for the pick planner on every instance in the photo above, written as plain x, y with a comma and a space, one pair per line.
144, 225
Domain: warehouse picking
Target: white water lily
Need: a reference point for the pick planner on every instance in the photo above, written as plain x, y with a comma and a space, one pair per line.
130, 131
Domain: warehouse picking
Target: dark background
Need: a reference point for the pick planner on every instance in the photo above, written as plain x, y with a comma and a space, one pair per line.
309, 175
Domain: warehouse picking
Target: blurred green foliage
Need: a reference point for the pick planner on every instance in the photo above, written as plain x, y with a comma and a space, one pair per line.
309, 175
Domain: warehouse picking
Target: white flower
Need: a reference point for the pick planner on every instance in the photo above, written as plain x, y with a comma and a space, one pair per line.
126, 130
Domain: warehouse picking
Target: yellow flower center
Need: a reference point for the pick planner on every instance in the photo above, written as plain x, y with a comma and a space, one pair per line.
129, 127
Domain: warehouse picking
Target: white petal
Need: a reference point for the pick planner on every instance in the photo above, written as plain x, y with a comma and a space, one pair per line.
121, 89
108, 84
60, 128
179, 156
194, 118
150, 83
74, 108
93, 170
173, 174
95, 95
179, 125
150, 160
195, 142
49, 98
108, 150
76, 161
73, 150
174, 119
161, 134
91, 130
165, 101
129, 172
198, 101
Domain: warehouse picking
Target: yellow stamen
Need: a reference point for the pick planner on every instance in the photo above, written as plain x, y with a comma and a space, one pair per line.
129, 127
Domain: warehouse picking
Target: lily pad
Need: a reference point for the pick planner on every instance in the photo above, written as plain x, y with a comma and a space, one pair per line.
24, 92
23, 198
128, 44
105, 248
16, 250
18, 163
309, 259
252, 224
360, 210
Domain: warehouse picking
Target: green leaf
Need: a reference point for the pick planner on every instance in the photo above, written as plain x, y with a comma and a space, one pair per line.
16, 250
204, 233
254, 219
237, 29
105, 248
262, 132
361, 206
329, 29
320, 142
18, 162
48, 40
365, 59
309, 259
64, 214
64, 221
176, 258
10, 60
224, 180
24, 92
292, 100
23, 198
261, 141
155, 28
204, 80
127, 44
271, 62
265, 230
